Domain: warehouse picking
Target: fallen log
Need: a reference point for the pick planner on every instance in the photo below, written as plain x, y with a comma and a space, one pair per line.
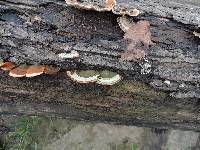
161, 92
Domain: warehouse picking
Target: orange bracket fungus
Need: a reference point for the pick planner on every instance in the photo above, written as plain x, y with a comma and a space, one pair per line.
35, 70
138, 37
19, 72
7, 66
110, 4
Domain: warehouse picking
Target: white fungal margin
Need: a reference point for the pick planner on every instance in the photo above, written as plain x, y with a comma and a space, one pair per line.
167, 82
75, 77
196, 34
124, 23
109, 81
145, 67
71, 55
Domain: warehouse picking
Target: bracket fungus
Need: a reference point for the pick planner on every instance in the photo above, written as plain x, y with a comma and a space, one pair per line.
108, 78
134, 12
103, 5
7, 66
19, 71
124, 23
35, 70
71, 55
32, 71
138, 37
83, 76
91, 76
104, 77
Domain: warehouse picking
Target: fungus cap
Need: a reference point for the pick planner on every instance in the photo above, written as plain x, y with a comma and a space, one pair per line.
35, 70
108, 78
7, 66
87, 76
19, 71
124, 23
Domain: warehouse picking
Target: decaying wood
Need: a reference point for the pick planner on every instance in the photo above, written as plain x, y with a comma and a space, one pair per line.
184, 11
161, 92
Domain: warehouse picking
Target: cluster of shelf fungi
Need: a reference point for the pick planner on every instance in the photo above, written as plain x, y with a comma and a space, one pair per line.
103, 77
151, 46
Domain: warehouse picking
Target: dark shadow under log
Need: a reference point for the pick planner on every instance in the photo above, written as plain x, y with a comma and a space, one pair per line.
35, 32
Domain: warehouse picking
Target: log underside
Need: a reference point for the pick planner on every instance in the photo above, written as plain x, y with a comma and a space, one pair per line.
36, 31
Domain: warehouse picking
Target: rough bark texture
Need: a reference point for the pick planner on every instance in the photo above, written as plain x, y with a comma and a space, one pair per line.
36, 31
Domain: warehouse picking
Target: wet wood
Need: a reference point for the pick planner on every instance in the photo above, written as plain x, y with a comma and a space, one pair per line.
35, 32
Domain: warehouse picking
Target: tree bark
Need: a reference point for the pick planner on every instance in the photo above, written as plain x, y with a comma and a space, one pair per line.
35, 31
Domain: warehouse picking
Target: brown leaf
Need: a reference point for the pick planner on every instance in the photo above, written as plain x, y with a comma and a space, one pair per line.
139, 40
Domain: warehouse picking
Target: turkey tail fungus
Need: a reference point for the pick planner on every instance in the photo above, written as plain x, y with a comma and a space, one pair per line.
138, 38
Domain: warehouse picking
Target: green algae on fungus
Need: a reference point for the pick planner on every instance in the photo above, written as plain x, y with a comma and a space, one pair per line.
83, 76
104, 77
108, 78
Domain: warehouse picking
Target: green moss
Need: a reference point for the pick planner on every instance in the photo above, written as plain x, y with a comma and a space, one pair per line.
33, 132
21, 136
